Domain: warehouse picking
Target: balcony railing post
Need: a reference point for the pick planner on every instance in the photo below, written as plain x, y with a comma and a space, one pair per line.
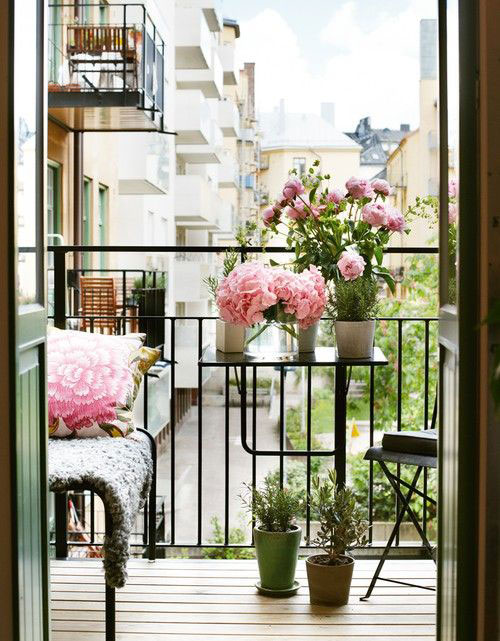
59, 289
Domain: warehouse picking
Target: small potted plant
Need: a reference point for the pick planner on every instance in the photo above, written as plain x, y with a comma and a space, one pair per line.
149, 294
342, 526
277, 537
354, 305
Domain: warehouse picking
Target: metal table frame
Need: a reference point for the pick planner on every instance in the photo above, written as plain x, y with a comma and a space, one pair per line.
322, 356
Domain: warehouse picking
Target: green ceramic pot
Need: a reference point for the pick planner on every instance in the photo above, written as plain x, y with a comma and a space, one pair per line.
277, 554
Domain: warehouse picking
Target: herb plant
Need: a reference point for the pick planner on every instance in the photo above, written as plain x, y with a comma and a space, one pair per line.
354, 300
229, 263
342, 523
273, 508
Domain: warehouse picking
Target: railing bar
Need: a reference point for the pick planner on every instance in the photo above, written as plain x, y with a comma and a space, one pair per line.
200, 432
282, 424
426, 421
172, 431
226, 458
124, 301
92, 518
254, 433
399, 407
371, 475
308, 447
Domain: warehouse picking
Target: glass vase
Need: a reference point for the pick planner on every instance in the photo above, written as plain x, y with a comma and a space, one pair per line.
273, 341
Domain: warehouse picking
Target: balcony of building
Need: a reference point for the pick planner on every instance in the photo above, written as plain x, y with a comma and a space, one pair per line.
229, 118
209, 80
193, 39
228, 171
189, 592
229, 65
146, 171
193, 118
204, 153
107, 73
193, 203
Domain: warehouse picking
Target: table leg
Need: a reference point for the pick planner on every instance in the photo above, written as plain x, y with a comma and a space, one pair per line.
340, 423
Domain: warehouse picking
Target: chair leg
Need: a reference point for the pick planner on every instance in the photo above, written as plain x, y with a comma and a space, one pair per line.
110, 613
411, 513
110, 595
391, 538
61, 509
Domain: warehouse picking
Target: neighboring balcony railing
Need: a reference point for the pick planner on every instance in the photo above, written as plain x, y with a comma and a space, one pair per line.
203, 464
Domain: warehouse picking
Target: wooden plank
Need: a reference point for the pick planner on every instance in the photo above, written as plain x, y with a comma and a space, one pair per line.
243, 618
123, 596
271, 607
97, 636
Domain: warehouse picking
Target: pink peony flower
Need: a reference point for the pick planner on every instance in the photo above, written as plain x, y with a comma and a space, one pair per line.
452, 213
375, 214
293, 188
270, 215
351, 265
452, 188
395, 220
335, 196
359, 188
381, 186
300, 210
245, 294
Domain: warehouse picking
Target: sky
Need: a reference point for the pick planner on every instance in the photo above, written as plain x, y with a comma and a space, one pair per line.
362, 55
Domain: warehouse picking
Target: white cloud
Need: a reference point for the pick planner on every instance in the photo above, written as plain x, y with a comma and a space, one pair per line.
372, 69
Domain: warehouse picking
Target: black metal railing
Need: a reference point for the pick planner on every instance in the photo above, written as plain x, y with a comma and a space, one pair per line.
96, 49
198, 446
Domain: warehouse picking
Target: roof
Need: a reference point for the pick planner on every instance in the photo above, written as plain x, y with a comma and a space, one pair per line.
288, 130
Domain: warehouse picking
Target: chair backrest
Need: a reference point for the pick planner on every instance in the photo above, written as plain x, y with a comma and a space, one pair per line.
98, 299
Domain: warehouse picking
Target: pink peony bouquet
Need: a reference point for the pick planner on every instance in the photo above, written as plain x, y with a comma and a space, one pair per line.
343, 231
253, 293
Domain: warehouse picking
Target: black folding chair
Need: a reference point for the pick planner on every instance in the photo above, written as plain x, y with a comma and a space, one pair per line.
417, 449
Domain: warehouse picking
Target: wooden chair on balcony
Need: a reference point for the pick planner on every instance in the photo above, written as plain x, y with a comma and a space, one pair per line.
98, 305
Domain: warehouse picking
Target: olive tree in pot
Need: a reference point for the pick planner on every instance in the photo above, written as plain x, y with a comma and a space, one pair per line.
276, 536
342, 526
353, 306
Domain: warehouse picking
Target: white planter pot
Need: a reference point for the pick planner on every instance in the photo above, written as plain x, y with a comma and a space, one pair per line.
307, 338
355, 338
229, 338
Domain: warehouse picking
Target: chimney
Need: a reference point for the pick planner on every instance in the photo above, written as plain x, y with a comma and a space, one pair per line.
428, 49
328, 112
404, 126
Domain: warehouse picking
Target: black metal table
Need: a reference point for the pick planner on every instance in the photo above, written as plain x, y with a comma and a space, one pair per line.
322, 356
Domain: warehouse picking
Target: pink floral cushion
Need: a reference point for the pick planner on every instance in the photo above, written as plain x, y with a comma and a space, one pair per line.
93, 381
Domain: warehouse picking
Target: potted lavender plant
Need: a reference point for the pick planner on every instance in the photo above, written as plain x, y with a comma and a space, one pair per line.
342, 526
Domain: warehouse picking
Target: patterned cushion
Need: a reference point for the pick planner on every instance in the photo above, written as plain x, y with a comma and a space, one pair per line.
93, 381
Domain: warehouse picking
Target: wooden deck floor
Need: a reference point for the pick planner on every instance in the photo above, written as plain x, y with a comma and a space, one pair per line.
191, 600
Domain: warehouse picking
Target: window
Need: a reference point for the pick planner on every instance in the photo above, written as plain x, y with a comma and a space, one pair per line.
53, 207
54, 43
86, 222
102, 222
103, 12
299, 164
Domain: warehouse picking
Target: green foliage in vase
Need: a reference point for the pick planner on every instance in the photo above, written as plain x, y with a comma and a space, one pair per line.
354, 300
273, 508
230, 261
342, 522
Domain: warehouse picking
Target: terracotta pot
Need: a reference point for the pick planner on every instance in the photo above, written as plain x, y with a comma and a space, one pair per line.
307, 338
229, 338
329, 584
355, 338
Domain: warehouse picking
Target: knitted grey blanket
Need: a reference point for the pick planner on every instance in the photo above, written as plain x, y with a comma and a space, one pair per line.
120, 471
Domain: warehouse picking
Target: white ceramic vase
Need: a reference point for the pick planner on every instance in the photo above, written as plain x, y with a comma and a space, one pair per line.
229, 338
355, 338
